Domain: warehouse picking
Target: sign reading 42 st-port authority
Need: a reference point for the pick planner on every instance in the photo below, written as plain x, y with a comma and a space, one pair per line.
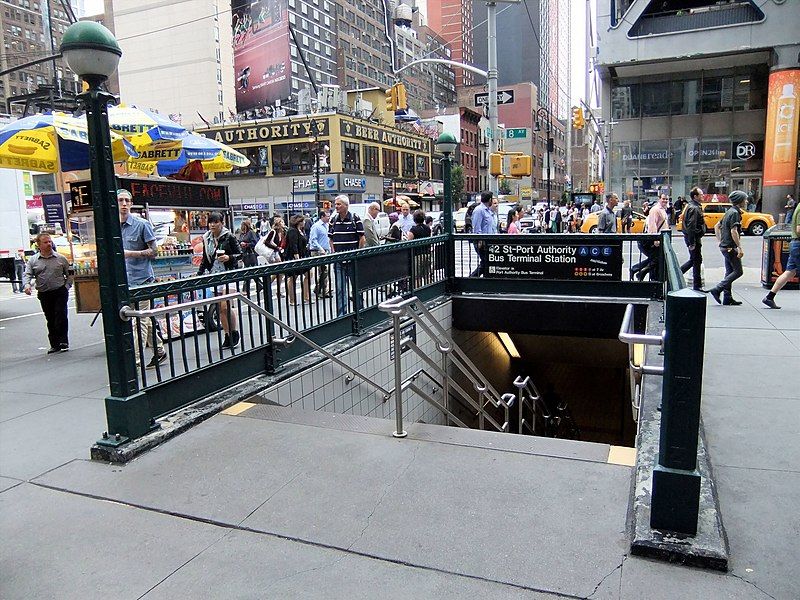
574, 261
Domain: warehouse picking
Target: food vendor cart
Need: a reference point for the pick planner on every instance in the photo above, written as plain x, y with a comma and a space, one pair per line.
178, 211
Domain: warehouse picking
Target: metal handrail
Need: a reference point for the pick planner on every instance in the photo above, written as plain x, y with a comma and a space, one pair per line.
673, 276
399, 307
126, 313
637, 371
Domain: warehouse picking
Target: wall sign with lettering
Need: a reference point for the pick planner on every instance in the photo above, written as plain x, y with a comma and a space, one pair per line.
265, 132
574, 261
158, 193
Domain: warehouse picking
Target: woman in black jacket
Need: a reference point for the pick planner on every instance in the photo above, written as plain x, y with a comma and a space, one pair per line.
297, 248
221, 252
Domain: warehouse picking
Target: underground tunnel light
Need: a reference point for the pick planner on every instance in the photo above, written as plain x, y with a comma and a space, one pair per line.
509, 344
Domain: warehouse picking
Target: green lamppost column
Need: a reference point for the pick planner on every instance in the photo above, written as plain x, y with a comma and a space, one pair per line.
93, 53
446, 145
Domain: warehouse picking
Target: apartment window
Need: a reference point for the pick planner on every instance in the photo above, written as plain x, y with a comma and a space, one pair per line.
408, 165
351, 157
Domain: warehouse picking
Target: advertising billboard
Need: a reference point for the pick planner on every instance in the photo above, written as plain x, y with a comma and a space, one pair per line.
261, 52
780, 145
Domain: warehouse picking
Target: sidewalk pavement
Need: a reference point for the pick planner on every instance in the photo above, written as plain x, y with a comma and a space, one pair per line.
274, 503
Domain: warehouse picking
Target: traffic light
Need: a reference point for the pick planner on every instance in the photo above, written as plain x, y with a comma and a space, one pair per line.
520, 166
593, 188
402, 101
391, 99
601, 187
495, 164
577, 118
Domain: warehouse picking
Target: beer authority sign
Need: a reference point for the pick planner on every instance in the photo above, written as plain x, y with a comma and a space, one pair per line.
558, 260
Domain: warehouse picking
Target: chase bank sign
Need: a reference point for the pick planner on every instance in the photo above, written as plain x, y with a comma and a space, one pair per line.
352, 184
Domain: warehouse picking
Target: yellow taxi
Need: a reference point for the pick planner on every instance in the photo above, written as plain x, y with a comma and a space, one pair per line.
589, 224
753, 223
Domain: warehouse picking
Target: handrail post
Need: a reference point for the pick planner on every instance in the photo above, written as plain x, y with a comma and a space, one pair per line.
676, 481
398, 377
356, 295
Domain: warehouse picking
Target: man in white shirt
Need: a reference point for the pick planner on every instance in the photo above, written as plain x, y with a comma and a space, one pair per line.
405, 221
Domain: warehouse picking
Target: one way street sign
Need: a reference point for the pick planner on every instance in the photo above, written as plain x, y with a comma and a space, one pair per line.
503, 97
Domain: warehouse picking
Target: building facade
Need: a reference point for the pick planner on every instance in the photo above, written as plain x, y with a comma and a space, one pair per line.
585, 159
343, 154
31, 30
701, 93
176, 64
453, 21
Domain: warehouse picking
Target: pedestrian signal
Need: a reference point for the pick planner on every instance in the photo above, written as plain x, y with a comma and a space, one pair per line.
495, 164
520, 166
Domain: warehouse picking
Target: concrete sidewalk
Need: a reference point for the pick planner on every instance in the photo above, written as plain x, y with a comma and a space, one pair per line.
275, 503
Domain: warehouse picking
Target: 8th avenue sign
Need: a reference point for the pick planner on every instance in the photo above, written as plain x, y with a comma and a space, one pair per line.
503, 97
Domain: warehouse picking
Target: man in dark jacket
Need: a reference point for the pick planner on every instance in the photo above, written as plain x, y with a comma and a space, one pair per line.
693, 230
729, 232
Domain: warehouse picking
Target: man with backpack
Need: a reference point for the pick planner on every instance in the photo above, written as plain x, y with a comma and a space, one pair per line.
346, 232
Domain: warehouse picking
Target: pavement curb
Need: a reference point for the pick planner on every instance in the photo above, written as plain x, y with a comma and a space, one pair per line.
709, 547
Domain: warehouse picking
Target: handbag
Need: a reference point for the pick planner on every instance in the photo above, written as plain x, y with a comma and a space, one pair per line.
270, 255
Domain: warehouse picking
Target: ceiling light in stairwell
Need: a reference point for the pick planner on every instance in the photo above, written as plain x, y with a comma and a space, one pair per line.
508, 344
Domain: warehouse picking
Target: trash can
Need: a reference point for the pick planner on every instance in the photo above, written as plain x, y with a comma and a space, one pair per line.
775, 254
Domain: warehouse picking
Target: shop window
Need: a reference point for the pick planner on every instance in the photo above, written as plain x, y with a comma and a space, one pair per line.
371, 161
625, 101
423, 168
351, 157
292, 158
408, 165
391, 164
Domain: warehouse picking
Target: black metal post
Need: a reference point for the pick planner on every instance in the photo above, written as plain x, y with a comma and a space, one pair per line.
315, 150
544, 113
126, 408
676, 482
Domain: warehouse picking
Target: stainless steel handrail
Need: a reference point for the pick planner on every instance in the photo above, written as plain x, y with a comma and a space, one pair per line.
399, 307
638, 371
126, 313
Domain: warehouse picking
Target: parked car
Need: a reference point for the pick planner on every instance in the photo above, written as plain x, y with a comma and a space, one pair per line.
459, 220
589, 224
382, 223
753, 223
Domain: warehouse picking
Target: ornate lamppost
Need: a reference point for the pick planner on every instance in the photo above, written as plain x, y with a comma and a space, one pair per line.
446, 145
543, 114
93, 53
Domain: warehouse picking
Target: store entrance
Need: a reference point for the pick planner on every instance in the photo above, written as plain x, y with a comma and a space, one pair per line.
751, 185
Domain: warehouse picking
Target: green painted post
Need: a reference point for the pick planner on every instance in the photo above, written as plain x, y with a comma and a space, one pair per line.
446, 144
92, 52
676, 481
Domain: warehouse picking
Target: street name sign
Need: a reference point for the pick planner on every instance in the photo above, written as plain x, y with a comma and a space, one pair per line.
517, 133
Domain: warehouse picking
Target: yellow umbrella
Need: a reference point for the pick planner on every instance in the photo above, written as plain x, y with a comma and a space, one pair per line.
215, 157
50, 143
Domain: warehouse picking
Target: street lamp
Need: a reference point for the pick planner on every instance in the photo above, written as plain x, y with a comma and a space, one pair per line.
446, 145
314, 141
93, 53
543, 113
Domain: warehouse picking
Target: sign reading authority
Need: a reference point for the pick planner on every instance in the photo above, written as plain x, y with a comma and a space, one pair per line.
561, 260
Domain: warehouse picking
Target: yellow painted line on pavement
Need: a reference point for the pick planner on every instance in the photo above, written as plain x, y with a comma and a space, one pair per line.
620, 455
238, 409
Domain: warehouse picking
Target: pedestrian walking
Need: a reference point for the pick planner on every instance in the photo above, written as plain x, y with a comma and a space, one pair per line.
346, 232
248, 239
140, 248
792, 264
17, 284
513, 221
320, 244
297, 248
422, 256
657, 221
729, 232
221, 253
370, 230
626, 216
49, 272
693, 230
607, 219
482, 223
790, 208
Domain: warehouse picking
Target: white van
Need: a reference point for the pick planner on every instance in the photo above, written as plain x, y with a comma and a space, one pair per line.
382, 223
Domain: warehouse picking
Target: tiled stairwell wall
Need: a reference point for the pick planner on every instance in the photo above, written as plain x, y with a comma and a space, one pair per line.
323, 386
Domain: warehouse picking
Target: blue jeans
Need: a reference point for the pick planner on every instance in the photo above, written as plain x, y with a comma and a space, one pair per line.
733, 270
343, 277
19, 272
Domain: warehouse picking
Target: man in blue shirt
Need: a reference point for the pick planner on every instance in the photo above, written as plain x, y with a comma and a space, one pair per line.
139, 244
319, 244
404, 220
483, 223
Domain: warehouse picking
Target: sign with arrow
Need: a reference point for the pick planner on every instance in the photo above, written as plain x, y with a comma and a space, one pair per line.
503, 97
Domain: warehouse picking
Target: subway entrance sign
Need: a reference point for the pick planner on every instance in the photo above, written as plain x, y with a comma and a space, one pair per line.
572, 261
